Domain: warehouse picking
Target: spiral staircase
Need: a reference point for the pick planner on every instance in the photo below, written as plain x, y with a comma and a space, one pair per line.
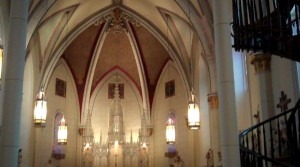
274, 142
270, 26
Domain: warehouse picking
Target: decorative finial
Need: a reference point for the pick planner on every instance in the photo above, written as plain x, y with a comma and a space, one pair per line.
100, 137
131, 139
117, 23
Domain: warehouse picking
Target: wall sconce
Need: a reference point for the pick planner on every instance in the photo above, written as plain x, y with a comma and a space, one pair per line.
62, 135
40, 110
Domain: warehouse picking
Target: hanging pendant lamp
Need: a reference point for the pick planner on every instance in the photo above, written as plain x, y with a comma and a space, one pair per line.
170, 131
193, 115
62, 135
40, 110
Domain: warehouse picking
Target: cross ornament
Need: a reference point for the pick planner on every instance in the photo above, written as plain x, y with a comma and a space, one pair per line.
283, 102
256, 116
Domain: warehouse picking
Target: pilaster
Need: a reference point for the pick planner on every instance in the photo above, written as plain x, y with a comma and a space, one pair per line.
261, 62
225, 76
15, 63
262, 65
213, 100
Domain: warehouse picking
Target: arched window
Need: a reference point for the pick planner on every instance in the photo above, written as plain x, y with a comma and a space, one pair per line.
240, 72
295, 20
58, 151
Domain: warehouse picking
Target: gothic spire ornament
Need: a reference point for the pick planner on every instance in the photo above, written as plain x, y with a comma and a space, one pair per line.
116, 124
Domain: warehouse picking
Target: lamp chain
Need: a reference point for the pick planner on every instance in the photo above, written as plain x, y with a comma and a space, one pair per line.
67, 28
169, 78
168, 34
191, 56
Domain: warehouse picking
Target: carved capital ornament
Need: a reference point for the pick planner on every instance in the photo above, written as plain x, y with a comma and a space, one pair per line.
213, 100
261, 62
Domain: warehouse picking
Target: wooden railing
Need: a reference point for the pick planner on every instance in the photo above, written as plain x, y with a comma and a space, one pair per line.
271, 26
274, 142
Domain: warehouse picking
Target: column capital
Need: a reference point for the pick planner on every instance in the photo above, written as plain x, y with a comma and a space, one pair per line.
261, 62
213, 100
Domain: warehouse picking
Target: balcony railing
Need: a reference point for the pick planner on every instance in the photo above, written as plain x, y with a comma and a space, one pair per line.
271, 26
274, 142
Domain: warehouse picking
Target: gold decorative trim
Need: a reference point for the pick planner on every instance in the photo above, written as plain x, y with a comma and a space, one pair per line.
117, 19
261, 62
213, 100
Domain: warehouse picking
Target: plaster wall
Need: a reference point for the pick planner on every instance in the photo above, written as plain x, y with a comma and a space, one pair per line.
283, 80
241, 91
27, 129
161, 108
202, 141
56, 104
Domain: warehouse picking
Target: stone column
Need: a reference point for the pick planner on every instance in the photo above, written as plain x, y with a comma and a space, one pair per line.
224, 60
214, 126
262, 65
15, 56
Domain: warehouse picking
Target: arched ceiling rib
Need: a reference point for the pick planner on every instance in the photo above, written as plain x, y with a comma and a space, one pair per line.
201, 24
116, 52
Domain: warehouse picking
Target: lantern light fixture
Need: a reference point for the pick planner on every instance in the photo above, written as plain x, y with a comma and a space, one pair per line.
170, 131
40, 110
62, 135
193, 116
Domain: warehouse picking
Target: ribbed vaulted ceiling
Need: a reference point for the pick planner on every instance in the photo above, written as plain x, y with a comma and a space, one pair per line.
142, 47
